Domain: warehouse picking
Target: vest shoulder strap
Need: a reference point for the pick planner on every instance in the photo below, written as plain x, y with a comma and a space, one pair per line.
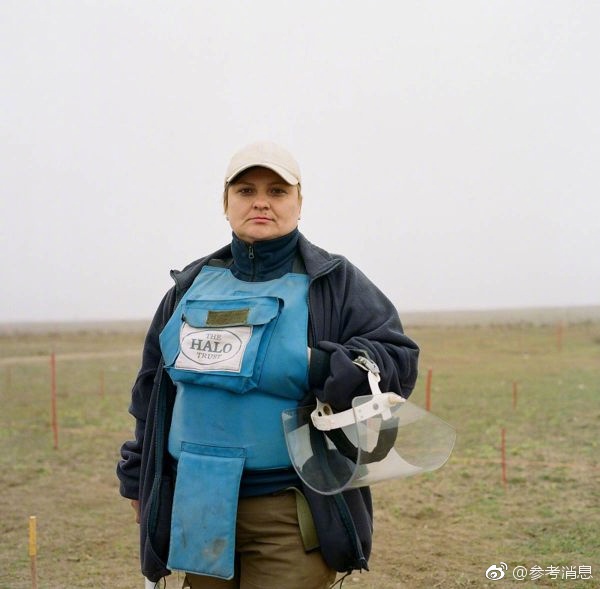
221, 263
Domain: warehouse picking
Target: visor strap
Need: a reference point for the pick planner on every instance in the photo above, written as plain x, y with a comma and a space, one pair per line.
367, 364
325, 419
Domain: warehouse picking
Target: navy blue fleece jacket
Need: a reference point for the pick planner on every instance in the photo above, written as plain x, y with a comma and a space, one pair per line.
347, 314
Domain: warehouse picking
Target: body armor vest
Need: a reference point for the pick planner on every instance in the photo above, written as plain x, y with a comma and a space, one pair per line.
237, 353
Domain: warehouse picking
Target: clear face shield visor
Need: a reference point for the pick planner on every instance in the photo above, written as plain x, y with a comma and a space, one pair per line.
383, 436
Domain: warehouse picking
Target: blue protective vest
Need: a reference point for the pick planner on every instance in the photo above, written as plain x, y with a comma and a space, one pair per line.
237, 352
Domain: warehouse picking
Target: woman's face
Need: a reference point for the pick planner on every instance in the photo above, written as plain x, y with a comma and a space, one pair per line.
261, 205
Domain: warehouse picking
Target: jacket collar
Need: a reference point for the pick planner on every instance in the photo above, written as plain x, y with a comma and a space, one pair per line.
317, 262
264, 260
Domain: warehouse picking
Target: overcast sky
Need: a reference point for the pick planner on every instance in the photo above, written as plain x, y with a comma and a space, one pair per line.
451, 150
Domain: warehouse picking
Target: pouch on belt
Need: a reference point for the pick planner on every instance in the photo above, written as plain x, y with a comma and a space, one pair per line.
205, 510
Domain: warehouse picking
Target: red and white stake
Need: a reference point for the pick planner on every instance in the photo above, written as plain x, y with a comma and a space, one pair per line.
428, 389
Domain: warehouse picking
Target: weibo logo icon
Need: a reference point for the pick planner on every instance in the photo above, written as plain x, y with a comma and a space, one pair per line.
495, 572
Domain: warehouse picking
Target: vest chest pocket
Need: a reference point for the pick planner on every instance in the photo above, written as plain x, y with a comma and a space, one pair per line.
223, 341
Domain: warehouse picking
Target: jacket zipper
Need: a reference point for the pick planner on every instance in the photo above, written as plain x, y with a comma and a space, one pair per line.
251, 258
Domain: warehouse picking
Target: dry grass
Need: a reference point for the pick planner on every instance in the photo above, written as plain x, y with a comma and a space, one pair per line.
439, 530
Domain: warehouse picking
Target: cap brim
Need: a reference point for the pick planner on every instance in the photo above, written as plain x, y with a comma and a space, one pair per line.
285, 175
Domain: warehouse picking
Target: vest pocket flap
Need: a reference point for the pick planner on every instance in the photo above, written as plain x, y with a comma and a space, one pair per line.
203, 524
229, 312
216, 451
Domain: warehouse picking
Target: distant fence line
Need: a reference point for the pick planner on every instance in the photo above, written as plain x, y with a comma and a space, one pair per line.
49, 327
38, 358
533, 315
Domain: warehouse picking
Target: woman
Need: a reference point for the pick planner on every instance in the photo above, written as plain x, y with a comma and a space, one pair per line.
264, 324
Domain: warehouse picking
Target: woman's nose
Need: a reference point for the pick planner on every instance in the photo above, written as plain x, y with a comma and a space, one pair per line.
260, 200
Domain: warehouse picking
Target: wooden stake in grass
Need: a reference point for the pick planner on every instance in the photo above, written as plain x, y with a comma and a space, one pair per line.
503, 457
33, 550
53, 399
514, 395
428, 389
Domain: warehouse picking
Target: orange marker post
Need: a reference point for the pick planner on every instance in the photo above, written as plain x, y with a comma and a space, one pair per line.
428, 390
33, 550
54, 419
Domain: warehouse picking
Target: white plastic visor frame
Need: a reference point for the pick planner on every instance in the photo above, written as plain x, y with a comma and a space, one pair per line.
325, 419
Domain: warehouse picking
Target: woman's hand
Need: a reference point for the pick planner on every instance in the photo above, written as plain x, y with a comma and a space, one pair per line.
136, 507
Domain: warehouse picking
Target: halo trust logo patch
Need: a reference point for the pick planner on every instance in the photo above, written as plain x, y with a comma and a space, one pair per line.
211, 346
212, 349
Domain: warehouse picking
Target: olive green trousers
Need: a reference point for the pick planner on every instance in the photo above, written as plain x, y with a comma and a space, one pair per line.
270, 548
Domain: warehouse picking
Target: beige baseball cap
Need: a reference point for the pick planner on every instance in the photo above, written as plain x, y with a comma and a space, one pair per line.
265, 154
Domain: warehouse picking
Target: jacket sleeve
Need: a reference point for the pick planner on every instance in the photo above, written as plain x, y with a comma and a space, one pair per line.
356, 317
128, 468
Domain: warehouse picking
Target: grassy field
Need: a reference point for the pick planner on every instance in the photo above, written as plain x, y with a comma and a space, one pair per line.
443, 529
